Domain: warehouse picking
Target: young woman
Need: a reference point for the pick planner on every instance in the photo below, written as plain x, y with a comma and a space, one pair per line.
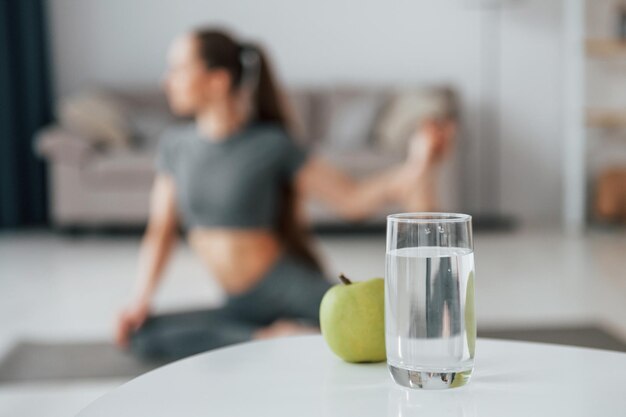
231, 180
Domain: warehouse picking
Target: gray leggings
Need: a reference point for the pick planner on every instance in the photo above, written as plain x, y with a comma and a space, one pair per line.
290, 290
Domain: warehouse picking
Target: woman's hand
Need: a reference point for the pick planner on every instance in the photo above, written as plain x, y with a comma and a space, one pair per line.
130, 319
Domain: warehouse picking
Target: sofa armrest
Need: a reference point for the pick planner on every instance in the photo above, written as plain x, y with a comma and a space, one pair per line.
61, 146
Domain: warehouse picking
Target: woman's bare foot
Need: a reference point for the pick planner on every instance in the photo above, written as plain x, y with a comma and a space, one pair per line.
427, 149
281, 328
430, 144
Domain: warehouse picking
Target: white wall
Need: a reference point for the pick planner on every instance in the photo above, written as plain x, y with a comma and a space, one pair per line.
531, 112
123, 43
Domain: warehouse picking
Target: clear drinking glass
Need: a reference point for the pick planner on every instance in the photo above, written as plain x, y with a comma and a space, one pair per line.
429, 299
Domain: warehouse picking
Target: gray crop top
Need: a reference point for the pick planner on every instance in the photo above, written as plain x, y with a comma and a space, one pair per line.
233, 183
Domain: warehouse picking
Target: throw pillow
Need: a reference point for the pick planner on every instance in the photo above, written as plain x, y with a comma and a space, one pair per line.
404, 113
98, 118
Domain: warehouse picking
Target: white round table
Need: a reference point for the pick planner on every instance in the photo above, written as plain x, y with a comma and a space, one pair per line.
299, 377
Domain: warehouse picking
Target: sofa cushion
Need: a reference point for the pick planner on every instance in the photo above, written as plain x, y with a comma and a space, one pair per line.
300, 108
361, 162
120, 170
148, 115
348, 116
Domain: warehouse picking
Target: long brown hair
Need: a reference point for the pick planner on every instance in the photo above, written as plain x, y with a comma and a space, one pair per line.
218, 49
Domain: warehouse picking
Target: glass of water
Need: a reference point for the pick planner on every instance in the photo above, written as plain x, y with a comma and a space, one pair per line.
429, 299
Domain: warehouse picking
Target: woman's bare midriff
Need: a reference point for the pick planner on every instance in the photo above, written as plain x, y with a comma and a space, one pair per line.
237, 258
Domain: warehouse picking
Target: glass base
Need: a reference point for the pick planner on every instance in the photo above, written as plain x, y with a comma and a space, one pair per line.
428, 379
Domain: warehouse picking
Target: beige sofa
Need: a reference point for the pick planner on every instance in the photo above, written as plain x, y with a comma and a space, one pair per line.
102, 183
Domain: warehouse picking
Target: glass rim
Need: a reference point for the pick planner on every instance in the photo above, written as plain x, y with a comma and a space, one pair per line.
429, 217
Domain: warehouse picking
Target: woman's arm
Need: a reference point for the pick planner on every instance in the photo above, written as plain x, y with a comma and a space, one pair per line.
352, 200
408, 184
154, 253
159, 238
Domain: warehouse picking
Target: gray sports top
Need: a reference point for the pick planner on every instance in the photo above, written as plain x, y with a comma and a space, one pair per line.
231, 183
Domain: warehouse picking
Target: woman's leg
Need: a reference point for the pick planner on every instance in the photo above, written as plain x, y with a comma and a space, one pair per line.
299, 292
291, 290
175, 336
303, 295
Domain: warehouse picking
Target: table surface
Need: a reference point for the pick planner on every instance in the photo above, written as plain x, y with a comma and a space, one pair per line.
299, 376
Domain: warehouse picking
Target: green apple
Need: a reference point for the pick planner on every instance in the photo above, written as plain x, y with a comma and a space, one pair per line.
470, 318
352, 320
